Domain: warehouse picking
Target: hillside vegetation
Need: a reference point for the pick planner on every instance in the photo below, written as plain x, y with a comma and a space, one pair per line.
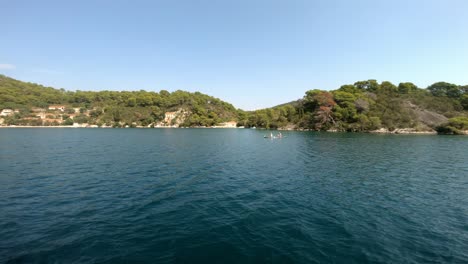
110, 107
362, 106
367, 105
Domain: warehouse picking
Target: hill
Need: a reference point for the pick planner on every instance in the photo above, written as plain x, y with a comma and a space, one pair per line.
39, 105
367, 106
362, 106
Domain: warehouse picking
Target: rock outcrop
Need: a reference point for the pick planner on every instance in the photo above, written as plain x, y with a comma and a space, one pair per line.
424, 116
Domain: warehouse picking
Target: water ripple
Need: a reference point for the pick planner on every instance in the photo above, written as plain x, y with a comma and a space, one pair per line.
230, 196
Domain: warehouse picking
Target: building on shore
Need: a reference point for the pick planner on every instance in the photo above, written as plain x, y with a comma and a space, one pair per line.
57, 107
7, 112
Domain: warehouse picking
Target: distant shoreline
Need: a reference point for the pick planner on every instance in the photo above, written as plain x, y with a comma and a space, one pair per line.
382, 131
113, 127
49, 127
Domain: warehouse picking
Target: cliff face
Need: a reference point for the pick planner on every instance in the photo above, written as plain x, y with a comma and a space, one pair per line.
174, 119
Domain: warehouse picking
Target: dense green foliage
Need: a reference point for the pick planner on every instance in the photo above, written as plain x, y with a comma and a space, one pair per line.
362, 106
112, 107
454, 126
367, 105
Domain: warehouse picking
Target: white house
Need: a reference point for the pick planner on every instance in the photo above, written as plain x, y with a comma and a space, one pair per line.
6, 112
57, 107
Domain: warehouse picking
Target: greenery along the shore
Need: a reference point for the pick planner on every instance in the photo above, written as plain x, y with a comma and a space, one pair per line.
362, 106
368, 105
112, 107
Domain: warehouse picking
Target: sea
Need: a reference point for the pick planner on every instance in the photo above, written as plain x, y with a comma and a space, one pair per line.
81, 195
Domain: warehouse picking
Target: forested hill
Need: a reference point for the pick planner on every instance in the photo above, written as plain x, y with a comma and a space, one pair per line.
362, 106
369, 105
113, 108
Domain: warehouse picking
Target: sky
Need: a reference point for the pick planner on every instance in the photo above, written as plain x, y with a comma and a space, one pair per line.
251, 53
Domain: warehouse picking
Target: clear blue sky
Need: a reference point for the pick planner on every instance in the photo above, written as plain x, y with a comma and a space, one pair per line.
253, 54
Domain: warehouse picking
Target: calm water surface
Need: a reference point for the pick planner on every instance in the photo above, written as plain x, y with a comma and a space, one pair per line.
230, 196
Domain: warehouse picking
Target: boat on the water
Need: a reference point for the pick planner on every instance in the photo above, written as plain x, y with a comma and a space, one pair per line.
271, 136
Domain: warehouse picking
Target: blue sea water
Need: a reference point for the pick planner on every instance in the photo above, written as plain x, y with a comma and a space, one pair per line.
231, 196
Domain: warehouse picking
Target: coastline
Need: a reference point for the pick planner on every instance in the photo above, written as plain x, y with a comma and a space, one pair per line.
49, 127
400, 131
218, 127
403, 131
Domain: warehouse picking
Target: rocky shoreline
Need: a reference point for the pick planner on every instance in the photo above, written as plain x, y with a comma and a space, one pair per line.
378, 131
95, 126
403, 131
400, 131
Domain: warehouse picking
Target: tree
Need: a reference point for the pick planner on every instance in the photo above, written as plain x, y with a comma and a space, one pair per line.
310, 102
388, 88
131, 102
349, 88
346, 114
464, 101
445, 89
317, 98
369, 85
343, 98
81, 119
291, 112
460, 122
407, 87
144, 99
455, 126
68, 122
164, 93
